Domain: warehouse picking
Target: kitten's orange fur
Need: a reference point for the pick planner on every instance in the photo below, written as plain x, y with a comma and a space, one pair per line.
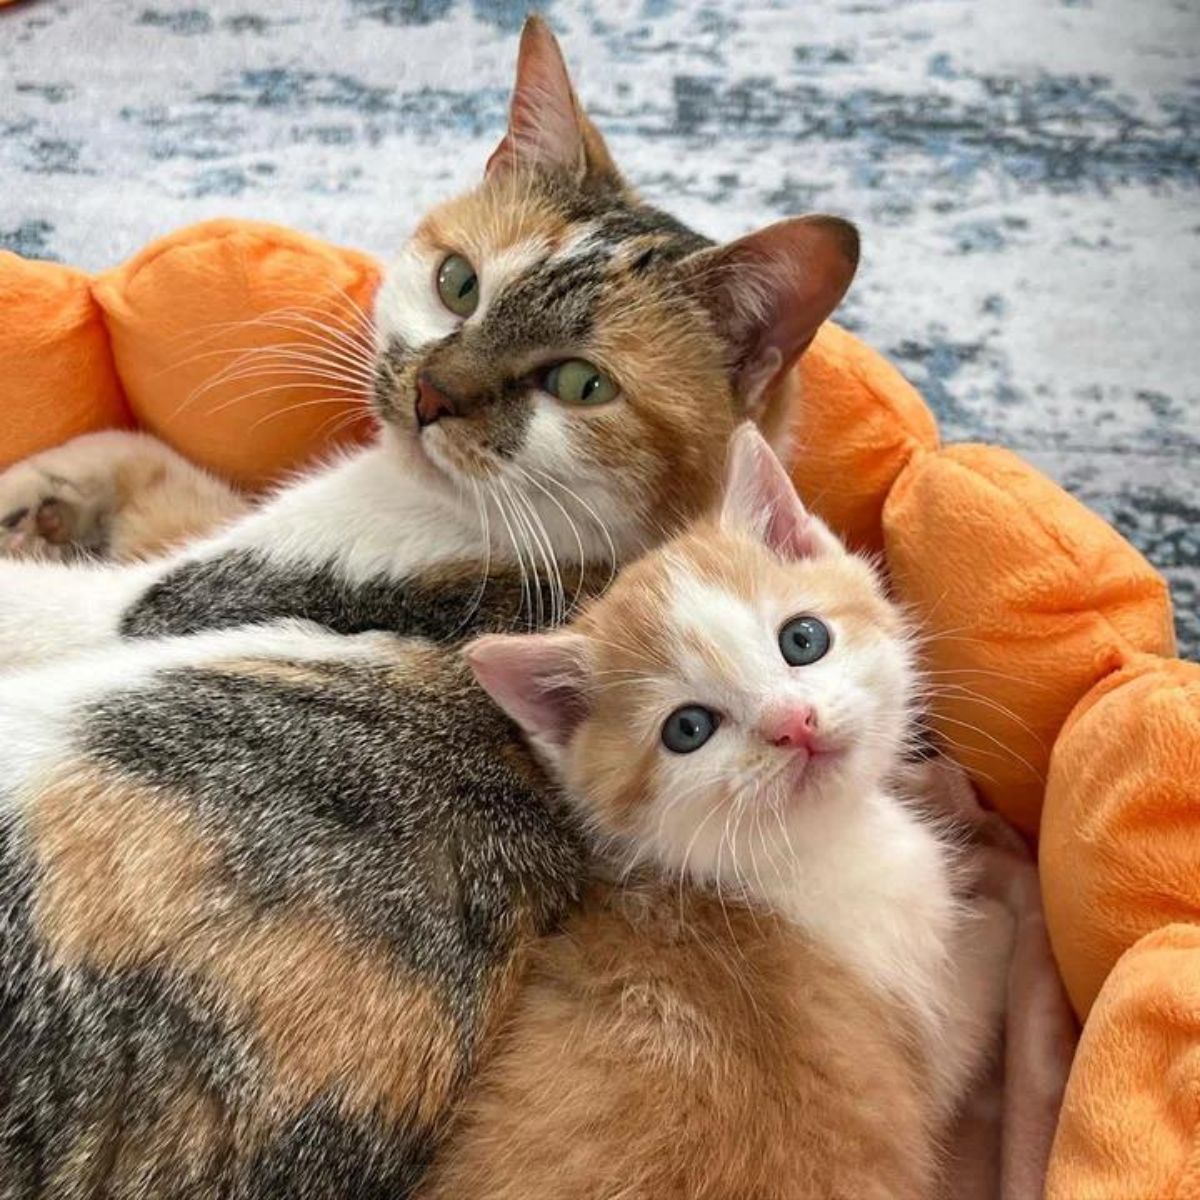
669, 1048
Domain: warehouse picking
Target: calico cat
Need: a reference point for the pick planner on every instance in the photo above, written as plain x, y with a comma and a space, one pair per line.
779, 998
559, 366
269, 871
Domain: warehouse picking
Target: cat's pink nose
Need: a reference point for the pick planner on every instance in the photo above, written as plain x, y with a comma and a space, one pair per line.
791, 728
432, 402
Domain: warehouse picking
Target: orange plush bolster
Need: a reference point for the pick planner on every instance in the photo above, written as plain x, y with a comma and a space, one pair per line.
57, 378
1130, 1123
229, 337
857, 422
1120, 850
1026, 599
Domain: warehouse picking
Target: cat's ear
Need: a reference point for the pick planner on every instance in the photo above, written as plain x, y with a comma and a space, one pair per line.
547, 128
769, 293
539, 679
759, 498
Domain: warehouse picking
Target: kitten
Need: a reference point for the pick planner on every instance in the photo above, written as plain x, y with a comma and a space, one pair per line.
270, 875
770, 1008
558, 369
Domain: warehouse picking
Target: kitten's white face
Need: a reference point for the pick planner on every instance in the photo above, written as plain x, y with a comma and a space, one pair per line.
781, 696
732, 698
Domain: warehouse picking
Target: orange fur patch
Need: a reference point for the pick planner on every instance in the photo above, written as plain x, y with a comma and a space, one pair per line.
128, 880
667, 1047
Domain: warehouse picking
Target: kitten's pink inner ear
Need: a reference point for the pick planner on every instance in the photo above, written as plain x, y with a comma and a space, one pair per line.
545, 125
769, 293
538, 679
759, 497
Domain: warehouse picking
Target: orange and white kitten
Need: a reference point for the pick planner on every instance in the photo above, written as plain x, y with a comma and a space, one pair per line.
770, 1006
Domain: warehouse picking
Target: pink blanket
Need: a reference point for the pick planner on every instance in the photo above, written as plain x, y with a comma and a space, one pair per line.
1002, 1143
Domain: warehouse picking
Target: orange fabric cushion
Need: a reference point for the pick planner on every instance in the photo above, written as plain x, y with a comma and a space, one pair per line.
1025, 599
216, 332
858, 422
1120, 850
57, 378
1130, 1122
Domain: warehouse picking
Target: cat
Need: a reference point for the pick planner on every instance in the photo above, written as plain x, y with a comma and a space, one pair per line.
270, 861
773, 993
558, 368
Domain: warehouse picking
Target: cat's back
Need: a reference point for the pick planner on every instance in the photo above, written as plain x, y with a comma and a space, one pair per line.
670, 1046
259, 918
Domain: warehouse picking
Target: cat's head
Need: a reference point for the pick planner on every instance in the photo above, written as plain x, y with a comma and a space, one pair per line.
746, 677
551, 334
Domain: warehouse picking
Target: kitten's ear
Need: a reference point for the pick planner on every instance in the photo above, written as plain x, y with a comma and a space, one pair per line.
546, 125
770, 291
759, 498
539, 679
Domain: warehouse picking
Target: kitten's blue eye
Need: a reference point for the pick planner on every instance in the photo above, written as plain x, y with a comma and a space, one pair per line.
688, 728
803, 640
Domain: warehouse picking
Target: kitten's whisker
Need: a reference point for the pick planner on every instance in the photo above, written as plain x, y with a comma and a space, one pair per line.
965, 694
687, 853
1003, 748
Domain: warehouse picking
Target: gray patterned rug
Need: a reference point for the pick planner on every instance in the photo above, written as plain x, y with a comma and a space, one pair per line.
1026, 174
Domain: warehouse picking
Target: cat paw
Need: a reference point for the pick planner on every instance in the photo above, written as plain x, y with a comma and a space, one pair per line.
42, 519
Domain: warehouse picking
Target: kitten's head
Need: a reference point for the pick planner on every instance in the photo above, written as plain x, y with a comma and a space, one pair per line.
551, 334
748, 676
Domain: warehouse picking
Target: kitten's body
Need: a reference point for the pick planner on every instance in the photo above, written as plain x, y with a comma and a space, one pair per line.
787, 1001
266, 884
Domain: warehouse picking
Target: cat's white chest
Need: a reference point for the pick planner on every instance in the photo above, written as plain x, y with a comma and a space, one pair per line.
379, 515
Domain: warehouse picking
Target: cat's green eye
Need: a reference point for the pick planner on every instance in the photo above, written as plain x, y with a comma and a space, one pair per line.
458, 285
579, 382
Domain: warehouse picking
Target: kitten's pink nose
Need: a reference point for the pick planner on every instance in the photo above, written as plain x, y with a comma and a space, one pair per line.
432, 402
792, 728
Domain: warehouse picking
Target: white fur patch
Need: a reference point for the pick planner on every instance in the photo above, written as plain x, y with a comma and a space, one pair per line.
39, 707
407, 306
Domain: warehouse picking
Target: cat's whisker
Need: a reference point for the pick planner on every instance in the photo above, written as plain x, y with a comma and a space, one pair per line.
292, 408
613, 557
526, 594
574, 531
242, 397
223, 328
521, 523
545, 544
252, 367
485, 533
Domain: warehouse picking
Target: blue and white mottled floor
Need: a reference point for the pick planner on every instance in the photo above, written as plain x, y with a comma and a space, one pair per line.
1026, 174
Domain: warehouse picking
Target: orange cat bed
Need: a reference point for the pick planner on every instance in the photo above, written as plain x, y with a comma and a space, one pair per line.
1049, 635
